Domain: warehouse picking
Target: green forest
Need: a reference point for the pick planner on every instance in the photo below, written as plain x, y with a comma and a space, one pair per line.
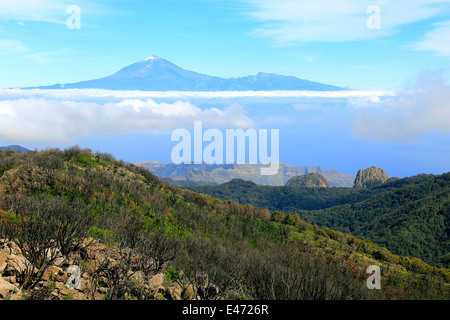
409, 216
284, 198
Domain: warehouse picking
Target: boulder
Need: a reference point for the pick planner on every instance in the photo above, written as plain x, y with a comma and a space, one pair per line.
3, 262
11, 248
156, 281
54, 273
17, 264
174, 292
84, 285
188, 293
7, 289
78, 296
11, 279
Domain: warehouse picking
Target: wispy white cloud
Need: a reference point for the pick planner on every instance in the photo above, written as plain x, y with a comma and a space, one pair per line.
294, 21
10, 46
21, 11
437, 40
23, 52
36, 10
52, 11
421, 108
42, 57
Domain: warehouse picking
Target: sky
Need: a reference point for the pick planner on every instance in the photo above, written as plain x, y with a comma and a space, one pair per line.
386, 46
326, 40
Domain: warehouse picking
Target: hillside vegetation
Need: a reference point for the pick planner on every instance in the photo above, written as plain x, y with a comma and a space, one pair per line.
411, 220
53, 202
409, 216
284, 198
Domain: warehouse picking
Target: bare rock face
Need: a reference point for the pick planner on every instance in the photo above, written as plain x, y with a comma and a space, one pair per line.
309, 180
370, 177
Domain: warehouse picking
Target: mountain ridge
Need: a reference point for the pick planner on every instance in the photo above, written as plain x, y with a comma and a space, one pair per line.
216, 174
158, 74
15, 148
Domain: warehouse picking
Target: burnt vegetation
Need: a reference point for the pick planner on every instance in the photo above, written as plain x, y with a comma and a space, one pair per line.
53, 201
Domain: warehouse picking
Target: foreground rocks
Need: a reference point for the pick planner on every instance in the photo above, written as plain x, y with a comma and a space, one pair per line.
54, 282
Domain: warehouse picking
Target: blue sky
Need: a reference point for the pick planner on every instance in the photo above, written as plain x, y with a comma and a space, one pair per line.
327, 41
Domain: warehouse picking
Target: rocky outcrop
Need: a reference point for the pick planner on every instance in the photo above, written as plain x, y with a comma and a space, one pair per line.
93, 285
309, 180
370, 177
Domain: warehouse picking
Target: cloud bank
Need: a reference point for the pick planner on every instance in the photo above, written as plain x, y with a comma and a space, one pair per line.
30, 120
125, 94
423, 107
64, 115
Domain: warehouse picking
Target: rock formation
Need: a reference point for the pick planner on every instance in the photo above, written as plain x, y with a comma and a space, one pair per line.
370, 177
309, 180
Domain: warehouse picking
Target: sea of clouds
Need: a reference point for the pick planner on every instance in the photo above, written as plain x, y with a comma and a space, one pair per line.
63, 115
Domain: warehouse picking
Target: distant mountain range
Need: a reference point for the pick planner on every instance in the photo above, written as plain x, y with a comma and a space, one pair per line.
207, 174
157, 74
15, 148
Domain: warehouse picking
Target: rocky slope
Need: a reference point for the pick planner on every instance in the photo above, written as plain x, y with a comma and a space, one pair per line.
309, 180
370, 177
55, 283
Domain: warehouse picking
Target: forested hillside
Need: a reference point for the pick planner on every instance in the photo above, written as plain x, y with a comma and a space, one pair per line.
409, 216
284, 198
53, 201
411, 220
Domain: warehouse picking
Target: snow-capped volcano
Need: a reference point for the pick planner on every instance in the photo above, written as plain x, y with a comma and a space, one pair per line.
157, 74
153, 57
